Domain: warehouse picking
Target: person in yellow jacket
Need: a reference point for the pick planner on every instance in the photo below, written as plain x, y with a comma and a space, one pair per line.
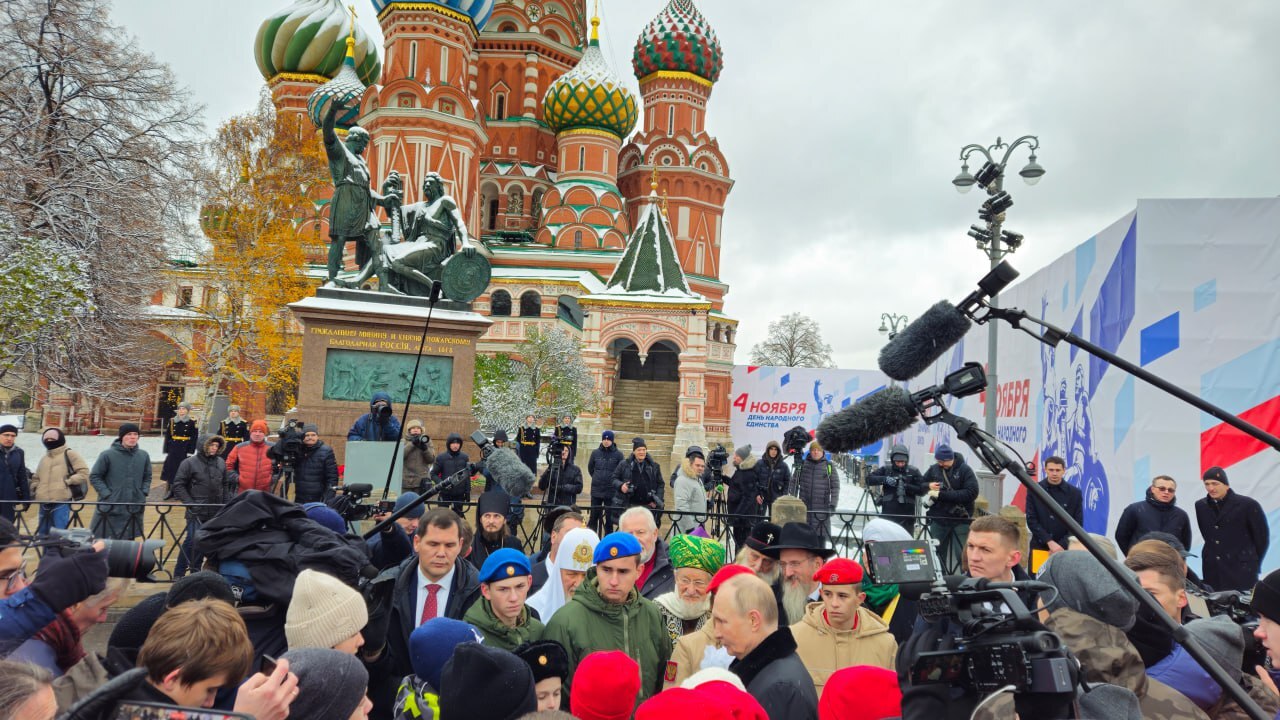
838, 632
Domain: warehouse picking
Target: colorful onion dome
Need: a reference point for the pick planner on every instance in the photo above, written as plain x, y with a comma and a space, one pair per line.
345, 88
590, 96
309, 37
679, 39
477, 10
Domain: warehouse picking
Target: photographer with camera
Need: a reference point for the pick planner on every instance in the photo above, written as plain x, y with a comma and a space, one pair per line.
952, 487
773, 471
27, 607
379, 424
562, 480
902, 484
201, 480
316, 470
449, 462
637, 481
419, 456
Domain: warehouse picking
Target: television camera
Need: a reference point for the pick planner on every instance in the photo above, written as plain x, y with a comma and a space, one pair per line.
997, 643
135, 559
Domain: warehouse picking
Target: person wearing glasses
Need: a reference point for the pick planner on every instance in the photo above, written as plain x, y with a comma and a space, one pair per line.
1158, 513
28, 606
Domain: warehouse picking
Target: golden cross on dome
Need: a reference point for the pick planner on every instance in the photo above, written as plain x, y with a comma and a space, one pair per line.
351, 36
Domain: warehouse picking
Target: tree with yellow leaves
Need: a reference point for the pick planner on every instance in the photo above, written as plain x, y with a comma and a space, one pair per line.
266, 171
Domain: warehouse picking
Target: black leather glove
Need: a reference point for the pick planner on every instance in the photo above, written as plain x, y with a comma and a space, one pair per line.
64, 581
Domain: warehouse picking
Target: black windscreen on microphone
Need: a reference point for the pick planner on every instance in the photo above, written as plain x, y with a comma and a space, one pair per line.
876, 416
917, 348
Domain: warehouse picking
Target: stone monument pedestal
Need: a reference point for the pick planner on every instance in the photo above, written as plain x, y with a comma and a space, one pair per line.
357, 343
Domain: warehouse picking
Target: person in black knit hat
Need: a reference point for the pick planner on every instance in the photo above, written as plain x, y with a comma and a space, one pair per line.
1235, 531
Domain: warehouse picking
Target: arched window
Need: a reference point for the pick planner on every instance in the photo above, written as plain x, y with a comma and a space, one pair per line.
530, 304
500, 303
507, 27
671, 119
582, 158
553, 35
577, 239
515, 201
500, 107
413, 59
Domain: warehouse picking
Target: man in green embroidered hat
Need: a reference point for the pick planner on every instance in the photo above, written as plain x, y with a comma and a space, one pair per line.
687, 607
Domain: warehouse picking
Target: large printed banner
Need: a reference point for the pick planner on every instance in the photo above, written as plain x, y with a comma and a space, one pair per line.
1186, 289
768, 401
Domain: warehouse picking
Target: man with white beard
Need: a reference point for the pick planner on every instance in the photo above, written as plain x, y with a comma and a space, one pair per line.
687, 608
752, 555
799, 552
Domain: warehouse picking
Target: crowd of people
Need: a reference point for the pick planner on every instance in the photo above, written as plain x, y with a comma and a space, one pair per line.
278, 610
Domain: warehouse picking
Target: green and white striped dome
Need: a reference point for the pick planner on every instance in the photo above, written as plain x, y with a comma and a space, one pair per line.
309, 37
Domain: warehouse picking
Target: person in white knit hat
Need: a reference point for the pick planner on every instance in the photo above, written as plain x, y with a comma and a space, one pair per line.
325, 613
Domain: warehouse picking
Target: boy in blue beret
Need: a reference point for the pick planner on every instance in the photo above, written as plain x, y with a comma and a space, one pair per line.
502, 615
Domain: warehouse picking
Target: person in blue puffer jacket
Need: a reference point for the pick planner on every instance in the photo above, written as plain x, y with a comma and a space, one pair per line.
62, 582
380, 423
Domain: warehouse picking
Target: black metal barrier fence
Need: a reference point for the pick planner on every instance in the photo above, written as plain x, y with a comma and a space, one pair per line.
168, 522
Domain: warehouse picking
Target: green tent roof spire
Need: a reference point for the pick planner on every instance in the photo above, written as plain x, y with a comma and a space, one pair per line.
649, 264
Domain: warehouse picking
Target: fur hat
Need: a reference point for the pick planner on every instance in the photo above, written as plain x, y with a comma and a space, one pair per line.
324, 611
484, 683
546, 658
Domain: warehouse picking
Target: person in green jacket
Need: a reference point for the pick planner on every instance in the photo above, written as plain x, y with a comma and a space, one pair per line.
502, 615
608, 613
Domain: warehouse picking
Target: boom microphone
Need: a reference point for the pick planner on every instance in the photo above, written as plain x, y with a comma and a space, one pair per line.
919, 346
508, 471
876, 416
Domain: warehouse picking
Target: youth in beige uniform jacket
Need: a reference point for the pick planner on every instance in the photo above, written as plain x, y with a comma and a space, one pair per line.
824, 650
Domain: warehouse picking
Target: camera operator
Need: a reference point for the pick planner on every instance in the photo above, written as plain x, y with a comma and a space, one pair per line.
317, 468
902, 484
379, 424
562, 480
747, 492
27, 607
419, 456
447, 464
638, 481
690, 493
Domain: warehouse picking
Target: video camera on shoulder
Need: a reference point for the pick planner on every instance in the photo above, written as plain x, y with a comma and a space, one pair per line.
1001, 643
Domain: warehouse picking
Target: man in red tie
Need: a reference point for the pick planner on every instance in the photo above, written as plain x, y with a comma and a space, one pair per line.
437, 582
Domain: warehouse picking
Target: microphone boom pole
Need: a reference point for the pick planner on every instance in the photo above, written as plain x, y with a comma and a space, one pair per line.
1053, 335
996, 459
413, 384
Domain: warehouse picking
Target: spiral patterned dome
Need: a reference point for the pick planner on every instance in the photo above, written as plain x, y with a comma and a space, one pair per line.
679, 39
345, 88
590, 96
310, 37
477, 10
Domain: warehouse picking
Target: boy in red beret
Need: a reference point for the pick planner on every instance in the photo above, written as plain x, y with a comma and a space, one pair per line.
837, 632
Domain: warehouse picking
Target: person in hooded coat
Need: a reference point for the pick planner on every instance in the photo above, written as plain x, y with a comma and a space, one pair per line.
419, 456
902, 484
201, 482
563, 488
773, 472
379, 424
447, 463
58, 470
121, 474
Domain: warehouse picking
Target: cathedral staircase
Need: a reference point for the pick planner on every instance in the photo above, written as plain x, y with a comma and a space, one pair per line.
630, 399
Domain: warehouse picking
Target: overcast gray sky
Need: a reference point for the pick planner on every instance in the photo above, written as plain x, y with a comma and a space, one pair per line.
842, 121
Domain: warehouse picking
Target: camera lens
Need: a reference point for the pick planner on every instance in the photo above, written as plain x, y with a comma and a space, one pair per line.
132, 558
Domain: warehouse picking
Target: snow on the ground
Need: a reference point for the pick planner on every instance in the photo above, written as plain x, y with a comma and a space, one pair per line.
89, 446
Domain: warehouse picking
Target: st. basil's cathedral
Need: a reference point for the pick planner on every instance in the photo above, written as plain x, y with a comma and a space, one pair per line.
601, 219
